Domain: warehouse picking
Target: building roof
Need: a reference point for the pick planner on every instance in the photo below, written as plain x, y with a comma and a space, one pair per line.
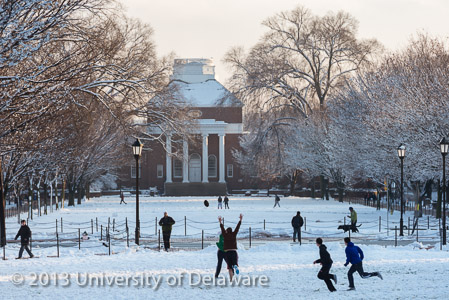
209, 93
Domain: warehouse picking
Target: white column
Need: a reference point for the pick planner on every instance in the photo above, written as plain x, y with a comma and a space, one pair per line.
205, 159
221, 154
185, 161
168, 159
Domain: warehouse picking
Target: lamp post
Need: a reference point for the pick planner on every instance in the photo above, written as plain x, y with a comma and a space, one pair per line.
401, 154
444, 147
2, 213
137, 151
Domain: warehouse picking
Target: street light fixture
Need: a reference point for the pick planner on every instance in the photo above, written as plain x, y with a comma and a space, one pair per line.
401, 154
444, 147
137, 151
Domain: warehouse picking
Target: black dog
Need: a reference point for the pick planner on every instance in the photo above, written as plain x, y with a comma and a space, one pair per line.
349, 227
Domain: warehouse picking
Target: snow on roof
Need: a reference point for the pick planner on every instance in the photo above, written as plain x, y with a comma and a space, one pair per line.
209, 93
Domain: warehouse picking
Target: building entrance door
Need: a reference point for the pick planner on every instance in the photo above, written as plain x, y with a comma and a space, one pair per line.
195, 168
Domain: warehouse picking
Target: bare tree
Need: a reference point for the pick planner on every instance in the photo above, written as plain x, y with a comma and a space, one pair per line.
291, 72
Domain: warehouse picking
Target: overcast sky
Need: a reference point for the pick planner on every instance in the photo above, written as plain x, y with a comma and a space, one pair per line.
208, 28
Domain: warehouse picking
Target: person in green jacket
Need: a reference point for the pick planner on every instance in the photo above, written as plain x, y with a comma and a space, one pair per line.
353, 216
220, 255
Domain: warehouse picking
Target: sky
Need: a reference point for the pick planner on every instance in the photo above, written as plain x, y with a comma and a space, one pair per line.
209, 28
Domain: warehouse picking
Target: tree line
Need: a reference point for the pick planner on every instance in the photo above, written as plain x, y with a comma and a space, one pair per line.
321, 102
77, 79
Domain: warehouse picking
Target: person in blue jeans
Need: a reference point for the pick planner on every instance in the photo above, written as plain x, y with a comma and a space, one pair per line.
354, 255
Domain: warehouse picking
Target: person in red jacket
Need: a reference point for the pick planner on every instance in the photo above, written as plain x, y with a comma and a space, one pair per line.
230, 246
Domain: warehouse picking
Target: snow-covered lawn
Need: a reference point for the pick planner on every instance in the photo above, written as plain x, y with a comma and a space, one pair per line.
409, 272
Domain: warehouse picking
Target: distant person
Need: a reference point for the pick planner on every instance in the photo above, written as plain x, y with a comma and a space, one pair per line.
353, 216
226, 202
230, 246
25, 235
326, 263
276, 201
297, 223
85, 236
166, 222
220, 202
354, 255
220, 255
122, 198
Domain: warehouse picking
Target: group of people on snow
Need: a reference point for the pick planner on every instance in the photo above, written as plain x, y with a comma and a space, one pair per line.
221, 200
354, 256
227, 247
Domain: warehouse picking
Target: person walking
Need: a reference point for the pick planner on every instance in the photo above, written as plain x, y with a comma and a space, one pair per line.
353, 217
276, 201
297, 223
220, 255
230, 246
25, 235
220, 201
354, 255
122, 198
226, 202
166, 222
326, 264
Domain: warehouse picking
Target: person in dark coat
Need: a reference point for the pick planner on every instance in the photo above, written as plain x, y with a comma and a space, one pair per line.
226, 202
220, 201
122, 198
25, 235
326, 264
297, 223
166, 222
354, 255
276, 201
230, 246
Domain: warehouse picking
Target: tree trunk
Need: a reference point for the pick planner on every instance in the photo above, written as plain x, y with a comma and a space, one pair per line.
45, 199
293, 181
56, 194
80, 194
51, 196
71, 198
341, 191
322, 187
313, 188
327, 189
63, 193
71, 190
30, 201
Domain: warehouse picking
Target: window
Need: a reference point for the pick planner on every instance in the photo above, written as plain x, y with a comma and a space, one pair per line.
177, 168
212, 166
160, 171
133, 171
230, 170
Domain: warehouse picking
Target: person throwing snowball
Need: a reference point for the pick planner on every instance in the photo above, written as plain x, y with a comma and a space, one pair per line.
230, 246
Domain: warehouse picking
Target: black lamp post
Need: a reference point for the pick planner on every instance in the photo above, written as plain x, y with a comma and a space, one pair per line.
444, 147
2, 213
137, 151
401, 154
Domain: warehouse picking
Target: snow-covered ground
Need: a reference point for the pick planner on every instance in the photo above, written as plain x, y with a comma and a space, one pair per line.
410, 272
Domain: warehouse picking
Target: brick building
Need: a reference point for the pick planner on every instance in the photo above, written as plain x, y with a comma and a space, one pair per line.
207, 166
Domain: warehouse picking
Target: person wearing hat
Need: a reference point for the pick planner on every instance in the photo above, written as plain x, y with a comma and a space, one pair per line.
353, 217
